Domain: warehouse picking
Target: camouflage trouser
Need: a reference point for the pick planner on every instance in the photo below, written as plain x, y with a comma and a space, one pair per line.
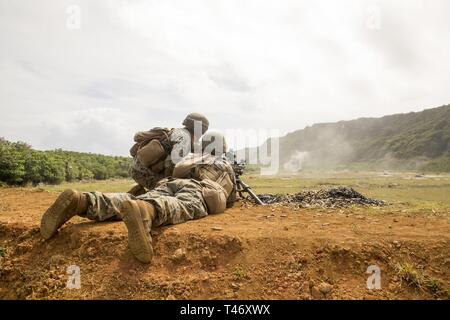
144, 176
175, 201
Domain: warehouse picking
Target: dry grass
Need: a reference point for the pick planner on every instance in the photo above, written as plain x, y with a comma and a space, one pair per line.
112, 185
416, 279
408, 274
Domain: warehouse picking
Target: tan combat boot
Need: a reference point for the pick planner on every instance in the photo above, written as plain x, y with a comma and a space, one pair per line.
137, 216
69, 203
137, 190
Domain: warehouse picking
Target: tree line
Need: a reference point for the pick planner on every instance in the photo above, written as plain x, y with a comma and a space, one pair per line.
20, 164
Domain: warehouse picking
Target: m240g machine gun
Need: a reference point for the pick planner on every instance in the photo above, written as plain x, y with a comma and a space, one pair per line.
241, 186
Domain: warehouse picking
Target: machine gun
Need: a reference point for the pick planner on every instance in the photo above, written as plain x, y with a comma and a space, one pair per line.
241, 186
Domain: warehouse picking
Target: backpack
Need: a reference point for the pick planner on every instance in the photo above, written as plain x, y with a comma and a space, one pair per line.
207, 167
151, 147
214, 195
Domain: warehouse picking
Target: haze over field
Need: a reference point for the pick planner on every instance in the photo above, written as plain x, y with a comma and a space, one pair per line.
132, 65
416, 136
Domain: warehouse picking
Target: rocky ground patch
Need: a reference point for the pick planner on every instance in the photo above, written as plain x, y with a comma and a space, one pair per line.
335, 197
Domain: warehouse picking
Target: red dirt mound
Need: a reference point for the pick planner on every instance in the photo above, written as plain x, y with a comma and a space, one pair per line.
245, 253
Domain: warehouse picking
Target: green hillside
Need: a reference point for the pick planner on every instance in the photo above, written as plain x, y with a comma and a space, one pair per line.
416, 140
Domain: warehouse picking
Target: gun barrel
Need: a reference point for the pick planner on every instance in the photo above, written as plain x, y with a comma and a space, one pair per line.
251, 193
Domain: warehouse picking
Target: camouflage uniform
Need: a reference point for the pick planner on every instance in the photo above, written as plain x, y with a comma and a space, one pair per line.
210, 167
175, 201
145, 177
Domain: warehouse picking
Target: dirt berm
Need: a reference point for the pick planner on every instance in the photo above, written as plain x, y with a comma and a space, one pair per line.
271, 252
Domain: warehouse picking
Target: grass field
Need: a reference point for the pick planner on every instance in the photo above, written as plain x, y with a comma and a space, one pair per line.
112, 185
403, 191
430, 194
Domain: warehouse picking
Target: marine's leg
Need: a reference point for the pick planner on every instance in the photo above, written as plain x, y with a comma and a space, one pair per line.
92, 205
138, 216
173, 202
105, 206
68, 204
176, 201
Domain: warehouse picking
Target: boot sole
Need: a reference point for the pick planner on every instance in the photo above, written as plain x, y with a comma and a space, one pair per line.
138, 239
58, 213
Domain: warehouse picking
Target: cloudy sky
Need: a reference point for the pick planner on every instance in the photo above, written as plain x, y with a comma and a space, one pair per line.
85, 75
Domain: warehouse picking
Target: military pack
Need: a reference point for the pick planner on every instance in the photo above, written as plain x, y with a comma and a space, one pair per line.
152, 147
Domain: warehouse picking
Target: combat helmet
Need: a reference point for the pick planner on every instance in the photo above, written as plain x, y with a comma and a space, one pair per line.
218, 139
194, 117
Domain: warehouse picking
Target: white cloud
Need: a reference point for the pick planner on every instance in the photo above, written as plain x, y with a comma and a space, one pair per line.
271, 64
